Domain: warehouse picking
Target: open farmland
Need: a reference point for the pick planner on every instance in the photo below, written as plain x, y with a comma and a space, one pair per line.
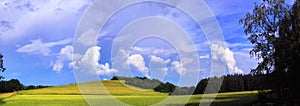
70, 95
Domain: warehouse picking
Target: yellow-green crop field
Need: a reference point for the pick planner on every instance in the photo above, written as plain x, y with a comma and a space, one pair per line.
69, 95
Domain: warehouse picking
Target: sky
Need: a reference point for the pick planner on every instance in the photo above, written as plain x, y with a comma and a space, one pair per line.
38, 37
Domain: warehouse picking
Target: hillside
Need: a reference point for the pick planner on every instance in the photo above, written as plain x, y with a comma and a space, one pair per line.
115, 87
69, 95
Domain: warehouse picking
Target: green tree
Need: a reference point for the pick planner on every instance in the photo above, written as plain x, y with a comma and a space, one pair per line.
262, 28
273, 28
200, 88
165, 87
10, 86
290, 39
289, 48
2, 69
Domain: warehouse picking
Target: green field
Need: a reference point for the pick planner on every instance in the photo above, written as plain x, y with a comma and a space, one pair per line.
70, 95
116, 87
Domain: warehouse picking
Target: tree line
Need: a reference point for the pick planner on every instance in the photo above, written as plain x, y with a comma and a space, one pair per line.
156, 85
230, 83
15, 85
236, 82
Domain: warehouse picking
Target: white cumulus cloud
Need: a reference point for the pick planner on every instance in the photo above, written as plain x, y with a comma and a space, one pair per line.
137, 61
64, 55
57, 66
89, 63
225, 55
159, 63
178, 66
104, 69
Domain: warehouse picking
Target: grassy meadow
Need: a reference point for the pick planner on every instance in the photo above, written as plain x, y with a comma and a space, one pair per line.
70, 95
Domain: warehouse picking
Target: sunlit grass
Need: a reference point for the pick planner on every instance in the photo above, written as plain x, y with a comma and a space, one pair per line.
224, 99
5, 95
97, 87
45, 100
97, 93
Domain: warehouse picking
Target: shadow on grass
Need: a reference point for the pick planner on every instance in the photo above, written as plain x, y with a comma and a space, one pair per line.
223, 103
225, 97
2, 102
228, 100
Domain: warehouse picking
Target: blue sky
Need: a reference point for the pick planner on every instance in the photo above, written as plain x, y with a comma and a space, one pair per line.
37, 42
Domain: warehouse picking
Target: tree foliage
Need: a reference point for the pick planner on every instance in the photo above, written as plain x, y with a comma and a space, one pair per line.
262, 28
15, 85
233, 83
10, 86
141, 82
273, 27
165, 87
2, 69
288, 45
156, 85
